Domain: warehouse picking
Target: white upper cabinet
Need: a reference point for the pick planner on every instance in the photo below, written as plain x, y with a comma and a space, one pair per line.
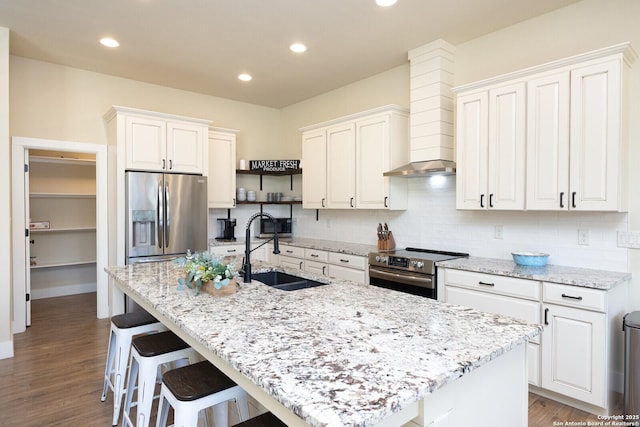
491, 148
345, 159
163, 143
596, 149
564, 120
222, 168
314, 172
341, 162
548, 142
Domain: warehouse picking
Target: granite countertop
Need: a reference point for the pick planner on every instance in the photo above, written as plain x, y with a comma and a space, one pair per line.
344, 354
357, 249
584, 277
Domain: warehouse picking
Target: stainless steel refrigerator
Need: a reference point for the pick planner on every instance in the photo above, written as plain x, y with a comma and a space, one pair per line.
166, 215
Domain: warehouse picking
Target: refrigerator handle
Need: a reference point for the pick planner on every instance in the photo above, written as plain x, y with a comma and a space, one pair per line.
167, 217
159, 219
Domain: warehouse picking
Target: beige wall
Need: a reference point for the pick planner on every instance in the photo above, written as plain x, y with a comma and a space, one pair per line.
56, 102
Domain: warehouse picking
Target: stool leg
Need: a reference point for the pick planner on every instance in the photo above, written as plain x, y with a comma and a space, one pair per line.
122, 359
221, 414
186, 418
146, 385
131, 382
163, 409
242, 404
108, 366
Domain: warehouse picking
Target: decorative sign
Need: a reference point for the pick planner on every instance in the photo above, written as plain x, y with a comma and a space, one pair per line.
274, 165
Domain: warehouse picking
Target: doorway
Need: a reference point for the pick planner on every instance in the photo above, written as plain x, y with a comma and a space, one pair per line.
22, 236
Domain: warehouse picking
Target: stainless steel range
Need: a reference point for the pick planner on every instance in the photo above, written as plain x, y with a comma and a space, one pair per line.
411, 270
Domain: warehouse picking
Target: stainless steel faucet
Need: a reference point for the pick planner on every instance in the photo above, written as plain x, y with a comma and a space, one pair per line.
247, 243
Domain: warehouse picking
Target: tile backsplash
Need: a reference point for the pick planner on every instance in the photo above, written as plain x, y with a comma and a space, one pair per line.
431, 221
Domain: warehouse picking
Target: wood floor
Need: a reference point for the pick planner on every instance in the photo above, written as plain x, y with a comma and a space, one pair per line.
55, 377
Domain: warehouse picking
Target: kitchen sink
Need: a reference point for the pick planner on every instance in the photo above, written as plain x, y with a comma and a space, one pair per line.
284, 281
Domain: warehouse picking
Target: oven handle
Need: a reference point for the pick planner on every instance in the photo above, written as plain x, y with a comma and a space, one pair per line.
405, 279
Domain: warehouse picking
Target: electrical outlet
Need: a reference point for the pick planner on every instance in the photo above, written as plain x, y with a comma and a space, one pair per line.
583, 236
497, 232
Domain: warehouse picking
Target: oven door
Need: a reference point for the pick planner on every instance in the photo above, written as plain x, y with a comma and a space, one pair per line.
416, 284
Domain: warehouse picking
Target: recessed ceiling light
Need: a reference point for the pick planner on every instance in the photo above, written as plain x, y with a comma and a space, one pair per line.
386, 3
298, 48
109, 42
244, 77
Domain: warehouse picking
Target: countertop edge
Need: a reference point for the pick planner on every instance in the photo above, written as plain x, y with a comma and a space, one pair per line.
572, 276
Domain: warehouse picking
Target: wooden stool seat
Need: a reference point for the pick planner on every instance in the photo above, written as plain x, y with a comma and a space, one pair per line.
265, 420
196, 381
193, 388
160, 343
133, 319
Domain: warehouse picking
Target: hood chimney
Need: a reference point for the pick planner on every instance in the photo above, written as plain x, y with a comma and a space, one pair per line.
431, 116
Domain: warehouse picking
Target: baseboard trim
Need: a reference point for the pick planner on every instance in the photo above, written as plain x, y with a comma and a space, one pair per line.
61, 291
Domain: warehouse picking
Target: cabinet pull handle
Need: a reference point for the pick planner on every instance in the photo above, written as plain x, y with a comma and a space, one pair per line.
234, 201
491, 200
546, 318
386, 198
323, 270
289, 251
230, 250
323, 202
300, 265
572, 297
164, 164
562, 199
314, 255
344, 260
351, 202
482, 200
486, 283
573, 199
170, 164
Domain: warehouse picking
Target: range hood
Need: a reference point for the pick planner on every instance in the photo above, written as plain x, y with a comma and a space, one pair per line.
431, 113
427, 167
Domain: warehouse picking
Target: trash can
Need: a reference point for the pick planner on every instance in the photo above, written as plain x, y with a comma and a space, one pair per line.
631, 328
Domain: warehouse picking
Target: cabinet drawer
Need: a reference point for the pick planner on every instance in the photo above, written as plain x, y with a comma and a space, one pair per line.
293, 251
227, 250
496, 304
316, 255
511, 286
345, 260
289, 262
315, 267
575, 296
344, 273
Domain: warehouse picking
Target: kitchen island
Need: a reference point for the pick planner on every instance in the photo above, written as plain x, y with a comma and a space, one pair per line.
348, 354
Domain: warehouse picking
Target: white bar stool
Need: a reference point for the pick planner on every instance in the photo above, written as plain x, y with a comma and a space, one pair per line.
193, 388
148, 354
123, 328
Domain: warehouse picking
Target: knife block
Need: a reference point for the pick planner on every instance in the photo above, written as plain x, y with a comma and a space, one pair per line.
387, 244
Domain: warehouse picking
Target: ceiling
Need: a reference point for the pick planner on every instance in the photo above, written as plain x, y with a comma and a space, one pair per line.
202, 45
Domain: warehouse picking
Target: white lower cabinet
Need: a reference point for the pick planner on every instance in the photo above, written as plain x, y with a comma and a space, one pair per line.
257, 254
578, 359
573, 357
506, 296
324, 263
348, 267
